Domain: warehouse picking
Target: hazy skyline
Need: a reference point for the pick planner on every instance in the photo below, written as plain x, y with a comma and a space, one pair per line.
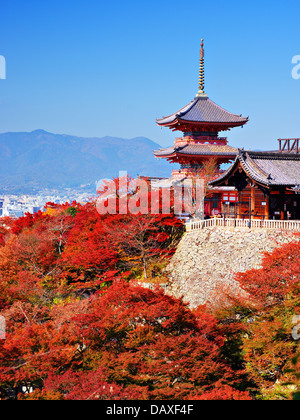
98, 68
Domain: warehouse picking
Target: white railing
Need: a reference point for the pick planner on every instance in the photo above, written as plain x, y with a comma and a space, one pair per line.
192, 225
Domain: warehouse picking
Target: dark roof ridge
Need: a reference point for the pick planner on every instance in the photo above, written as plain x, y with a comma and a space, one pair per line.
223, 109
272, 155
265, 168
186, 108
207, 113
245, 159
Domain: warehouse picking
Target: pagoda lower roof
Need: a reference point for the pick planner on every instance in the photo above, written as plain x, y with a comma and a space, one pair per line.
202, 111
158, 183
197, 150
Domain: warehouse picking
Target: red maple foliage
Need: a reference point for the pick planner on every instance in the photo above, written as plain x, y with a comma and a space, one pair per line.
280, 272
77, 326
263, 323
129, 342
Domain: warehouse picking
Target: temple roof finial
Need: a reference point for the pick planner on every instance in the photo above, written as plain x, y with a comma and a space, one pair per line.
201, 72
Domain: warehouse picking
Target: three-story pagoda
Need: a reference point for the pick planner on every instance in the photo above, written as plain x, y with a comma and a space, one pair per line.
200, 122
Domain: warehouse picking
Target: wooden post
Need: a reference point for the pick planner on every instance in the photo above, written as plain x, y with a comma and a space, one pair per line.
239, 205
252, 199
267, 208
250, 206
282, 203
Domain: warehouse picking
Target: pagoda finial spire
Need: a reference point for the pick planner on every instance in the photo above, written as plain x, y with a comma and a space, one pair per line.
201, 72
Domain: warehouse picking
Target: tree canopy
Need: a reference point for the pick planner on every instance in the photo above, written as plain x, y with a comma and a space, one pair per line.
82, 322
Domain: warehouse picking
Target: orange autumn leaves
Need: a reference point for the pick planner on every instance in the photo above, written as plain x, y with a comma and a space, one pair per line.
78, 327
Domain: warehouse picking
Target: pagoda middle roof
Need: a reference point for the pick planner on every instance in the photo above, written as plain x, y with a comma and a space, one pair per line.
198, 149
203, 110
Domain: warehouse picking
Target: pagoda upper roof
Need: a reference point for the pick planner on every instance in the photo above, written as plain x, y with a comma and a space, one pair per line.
202, 111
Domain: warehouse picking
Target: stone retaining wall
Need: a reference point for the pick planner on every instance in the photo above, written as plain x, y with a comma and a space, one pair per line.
206, 260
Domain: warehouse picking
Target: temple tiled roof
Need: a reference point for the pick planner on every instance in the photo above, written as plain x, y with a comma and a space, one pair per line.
202, 109
266, 168
198, 149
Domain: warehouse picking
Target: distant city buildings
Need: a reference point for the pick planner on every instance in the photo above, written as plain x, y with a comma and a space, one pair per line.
17, 205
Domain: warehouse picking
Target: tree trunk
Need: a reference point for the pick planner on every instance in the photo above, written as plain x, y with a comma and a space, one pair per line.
145, 269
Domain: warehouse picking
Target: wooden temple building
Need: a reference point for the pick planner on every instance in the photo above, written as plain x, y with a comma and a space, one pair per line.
267, 183
262, 185
200, 122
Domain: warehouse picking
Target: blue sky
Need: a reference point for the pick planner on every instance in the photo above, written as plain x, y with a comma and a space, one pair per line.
95, 68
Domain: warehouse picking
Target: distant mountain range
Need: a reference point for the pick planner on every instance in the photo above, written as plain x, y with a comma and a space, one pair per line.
30, 162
